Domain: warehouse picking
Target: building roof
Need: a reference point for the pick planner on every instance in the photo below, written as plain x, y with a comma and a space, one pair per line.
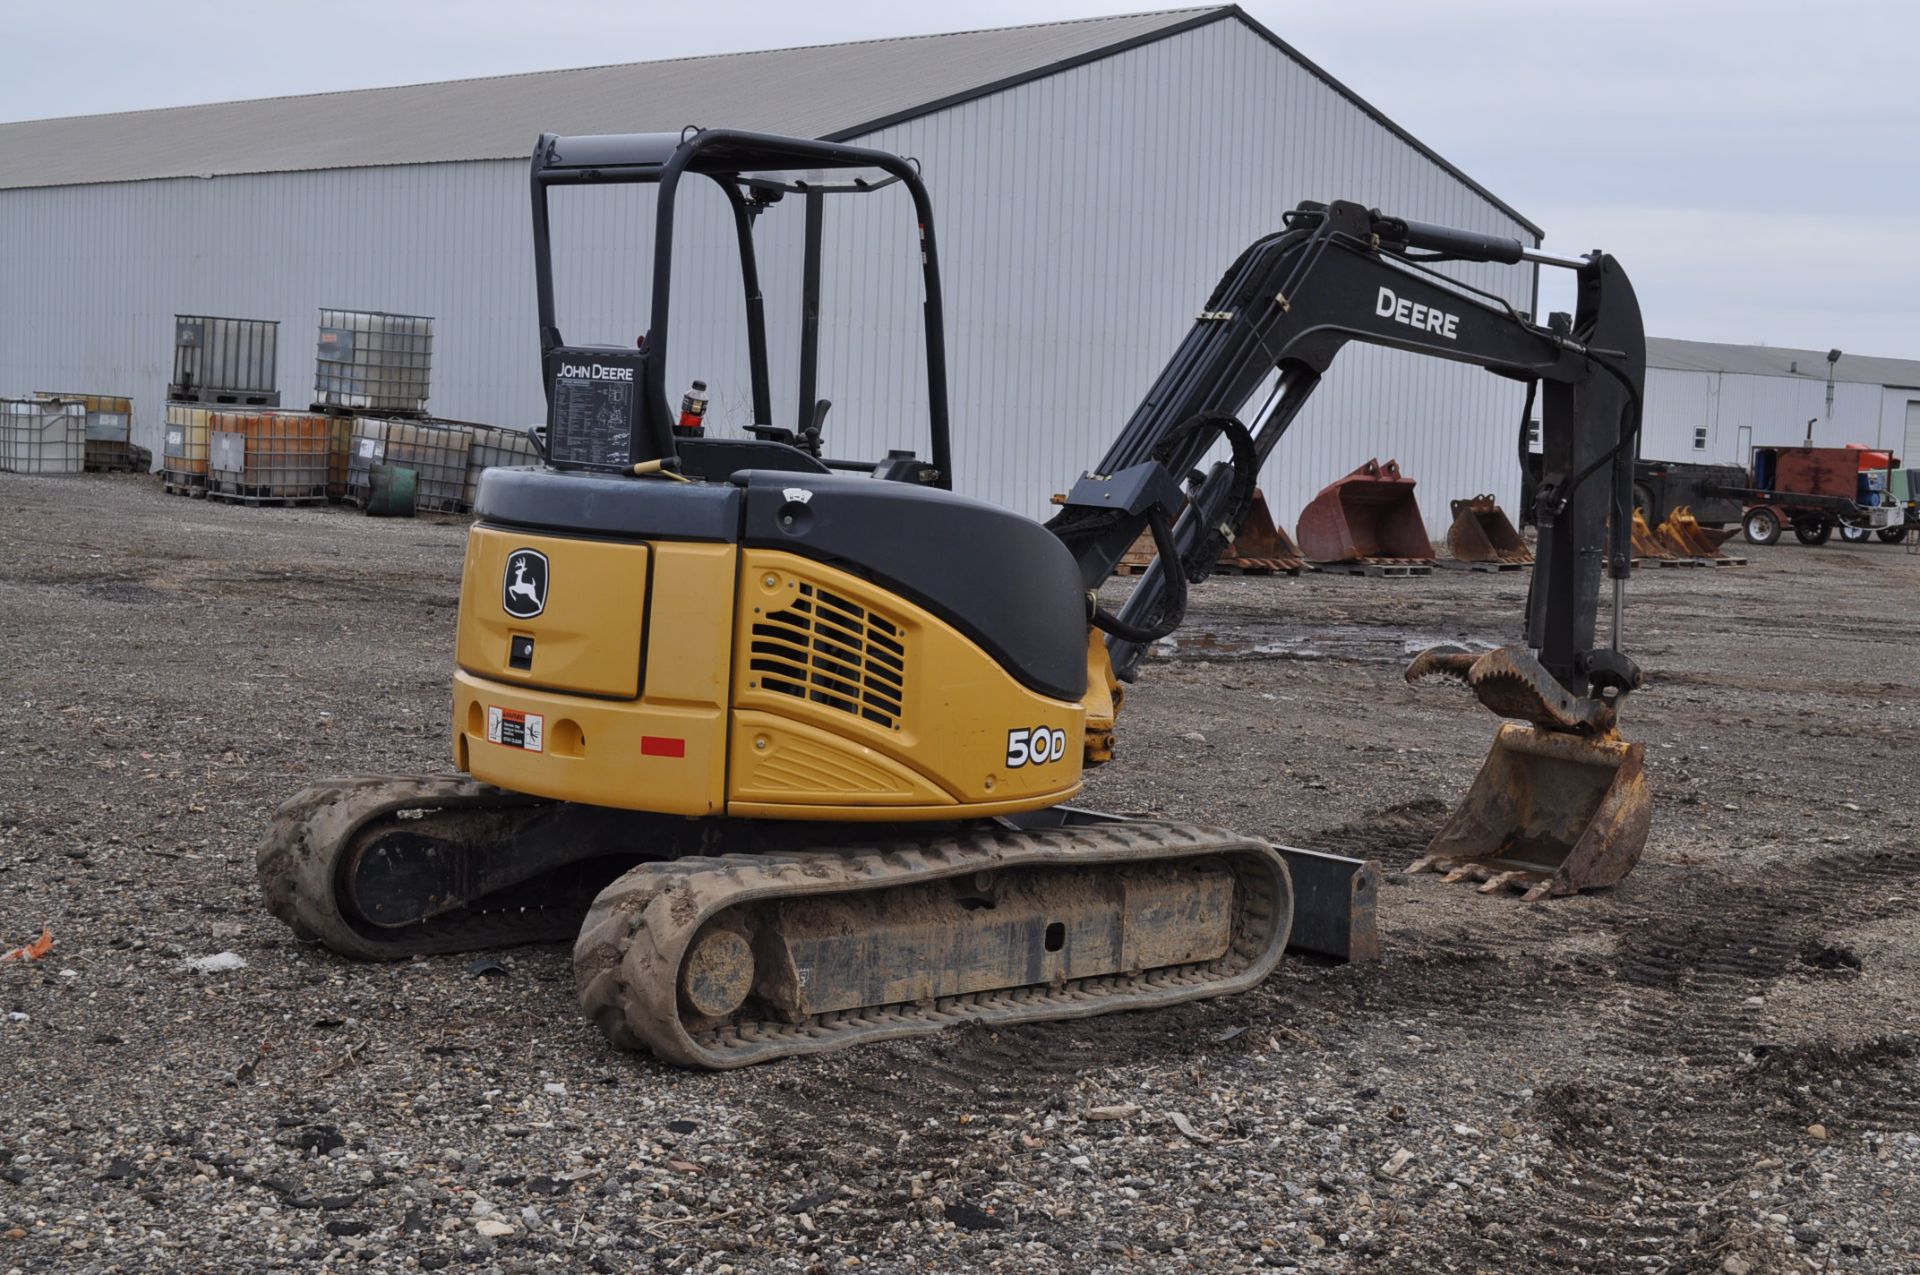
834, 91
1776, 360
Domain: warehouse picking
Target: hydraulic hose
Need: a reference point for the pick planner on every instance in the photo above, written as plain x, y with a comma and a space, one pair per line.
1173, 609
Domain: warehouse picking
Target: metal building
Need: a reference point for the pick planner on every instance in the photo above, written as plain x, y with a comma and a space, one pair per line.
1710, 402
1091, 180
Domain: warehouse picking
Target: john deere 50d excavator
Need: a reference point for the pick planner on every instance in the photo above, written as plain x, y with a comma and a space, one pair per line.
797, 735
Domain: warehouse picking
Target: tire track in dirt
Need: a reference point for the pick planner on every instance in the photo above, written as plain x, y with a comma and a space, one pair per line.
1660, 1160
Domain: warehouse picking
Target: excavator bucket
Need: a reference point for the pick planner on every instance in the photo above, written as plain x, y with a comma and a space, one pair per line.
1368, 516
1549, 813
1259, 545
1258, 548
1482, 532
1646, 543
1684, 535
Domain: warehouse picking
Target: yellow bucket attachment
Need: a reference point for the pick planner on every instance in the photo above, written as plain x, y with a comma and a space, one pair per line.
1684, 535
1482, 532
1551, 813
1646, 542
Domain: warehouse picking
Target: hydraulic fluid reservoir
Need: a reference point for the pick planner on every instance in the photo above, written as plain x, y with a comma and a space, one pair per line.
693, 412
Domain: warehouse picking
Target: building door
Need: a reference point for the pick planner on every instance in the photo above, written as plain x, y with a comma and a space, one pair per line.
1910, 454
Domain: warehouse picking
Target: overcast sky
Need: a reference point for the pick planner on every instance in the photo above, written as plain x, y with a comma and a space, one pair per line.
1755, 165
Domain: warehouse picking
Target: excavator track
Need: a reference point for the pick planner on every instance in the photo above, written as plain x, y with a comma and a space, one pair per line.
720, 962
330, 837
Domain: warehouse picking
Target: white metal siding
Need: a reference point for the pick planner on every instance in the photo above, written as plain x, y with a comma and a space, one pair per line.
1086, 216
1083, 219
94, 275
1776, 408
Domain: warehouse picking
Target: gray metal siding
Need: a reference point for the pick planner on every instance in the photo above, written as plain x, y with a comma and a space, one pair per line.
1086, 216
1083, 218
95, 274
1775, 408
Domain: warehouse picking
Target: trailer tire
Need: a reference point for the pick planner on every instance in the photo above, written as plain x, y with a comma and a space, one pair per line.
1761, 527
1643, 501
1891, 535
1855, 535
1813, 533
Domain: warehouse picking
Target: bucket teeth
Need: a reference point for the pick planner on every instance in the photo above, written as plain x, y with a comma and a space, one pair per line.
1512, 683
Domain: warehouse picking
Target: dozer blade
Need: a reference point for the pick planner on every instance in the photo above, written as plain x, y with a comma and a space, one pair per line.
1368, 516
1647, 543
1260, 545
1481, 532
1550, 813
1684, 535
722, 962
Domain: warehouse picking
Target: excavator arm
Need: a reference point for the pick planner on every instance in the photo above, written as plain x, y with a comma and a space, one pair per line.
1339, 273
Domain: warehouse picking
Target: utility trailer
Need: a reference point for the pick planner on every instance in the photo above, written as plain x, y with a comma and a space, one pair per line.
1662, 486
1816, 491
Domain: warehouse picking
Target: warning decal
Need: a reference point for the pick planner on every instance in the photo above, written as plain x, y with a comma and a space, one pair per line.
515, 729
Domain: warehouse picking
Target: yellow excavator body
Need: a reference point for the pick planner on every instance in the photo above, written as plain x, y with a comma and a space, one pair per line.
700, 679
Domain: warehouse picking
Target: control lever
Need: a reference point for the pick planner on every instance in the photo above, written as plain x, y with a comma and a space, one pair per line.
810, 436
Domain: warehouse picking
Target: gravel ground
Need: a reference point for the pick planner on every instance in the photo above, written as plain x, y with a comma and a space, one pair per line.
1711, 1067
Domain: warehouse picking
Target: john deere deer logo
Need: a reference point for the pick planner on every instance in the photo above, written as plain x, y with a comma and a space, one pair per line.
524, 592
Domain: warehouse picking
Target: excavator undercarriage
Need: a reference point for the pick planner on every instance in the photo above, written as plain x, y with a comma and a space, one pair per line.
798, 737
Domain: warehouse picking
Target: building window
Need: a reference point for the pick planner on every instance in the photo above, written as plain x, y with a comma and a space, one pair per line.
1700, 438
1533, 435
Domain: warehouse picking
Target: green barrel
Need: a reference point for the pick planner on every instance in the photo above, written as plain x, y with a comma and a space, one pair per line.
390, 491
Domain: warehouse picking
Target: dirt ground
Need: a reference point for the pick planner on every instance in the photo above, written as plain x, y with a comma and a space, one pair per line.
1711, 1067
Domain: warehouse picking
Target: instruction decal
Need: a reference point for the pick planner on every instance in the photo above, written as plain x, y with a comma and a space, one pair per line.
515, 729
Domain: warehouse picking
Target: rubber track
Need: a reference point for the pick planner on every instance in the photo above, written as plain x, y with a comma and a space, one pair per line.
298, 867
627, 958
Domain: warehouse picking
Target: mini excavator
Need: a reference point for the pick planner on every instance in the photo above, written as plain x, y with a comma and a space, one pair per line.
798, 736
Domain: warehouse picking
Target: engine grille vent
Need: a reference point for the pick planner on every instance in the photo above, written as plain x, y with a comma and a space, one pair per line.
831, 651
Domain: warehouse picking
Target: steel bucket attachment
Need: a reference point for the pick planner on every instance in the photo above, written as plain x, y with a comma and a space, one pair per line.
1550, 813
1688, 539
1560, 805
1368, 516
1258, 548
1482, 532
1259, 545
1646, 542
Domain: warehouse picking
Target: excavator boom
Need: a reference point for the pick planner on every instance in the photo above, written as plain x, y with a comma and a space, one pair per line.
1340, 273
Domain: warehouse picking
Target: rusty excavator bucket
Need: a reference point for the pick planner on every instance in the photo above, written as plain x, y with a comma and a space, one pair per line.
1646, 542
1258, 548
1368, 516
1482, 532
1259, 545
1560, 804
1684, 535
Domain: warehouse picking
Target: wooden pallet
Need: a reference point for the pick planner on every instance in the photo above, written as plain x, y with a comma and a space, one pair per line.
197, 491
1376, 569
1454, 564
222, 398
1258, 567
285, 502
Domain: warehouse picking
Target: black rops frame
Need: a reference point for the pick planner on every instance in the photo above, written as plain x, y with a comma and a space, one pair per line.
731, 158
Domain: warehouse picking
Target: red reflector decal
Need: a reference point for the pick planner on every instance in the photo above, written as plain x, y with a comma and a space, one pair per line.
662, 746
